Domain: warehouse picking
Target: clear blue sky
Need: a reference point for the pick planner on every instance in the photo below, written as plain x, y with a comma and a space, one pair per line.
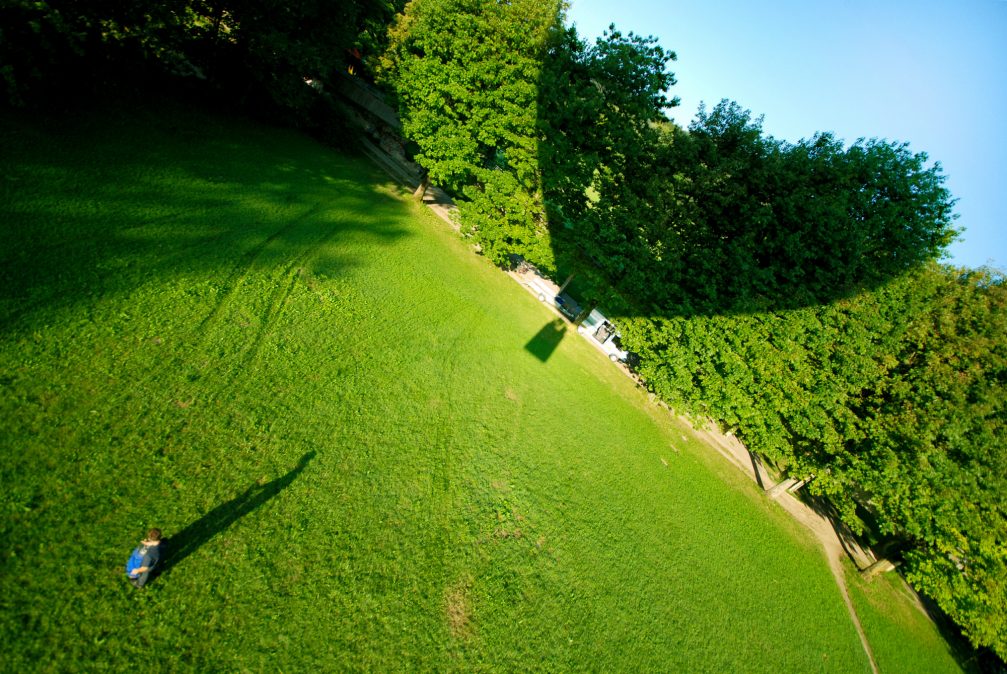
931, 72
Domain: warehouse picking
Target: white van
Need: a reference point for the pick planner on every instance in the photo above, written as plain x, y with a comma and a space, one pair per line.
542, 288
604, 334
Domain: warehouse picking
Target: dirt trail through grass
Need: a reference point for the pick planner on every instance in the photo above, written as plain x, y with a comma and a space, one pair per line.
820, 526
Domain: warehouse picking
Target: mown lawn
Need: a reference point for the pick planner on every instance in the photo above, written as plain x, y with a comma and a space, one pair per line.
343, 419
902, 637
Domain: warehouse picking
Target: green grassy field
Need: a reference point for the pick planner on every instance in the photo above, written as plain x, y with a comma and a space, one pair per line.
349, 426
902, 637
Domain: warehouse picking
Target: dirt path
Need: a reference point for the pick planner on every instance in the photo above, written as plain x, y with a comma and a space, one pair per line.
822, 528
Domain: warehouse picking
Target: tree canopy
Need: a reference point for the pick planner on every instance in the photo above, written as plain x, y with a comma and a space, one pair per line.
257, 51
892, 399
466, 73
601, 109
721, 218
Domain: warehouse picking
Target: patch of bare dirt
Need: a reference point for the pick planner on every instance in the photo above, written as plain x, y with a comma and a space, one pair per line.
508, 533
458, 609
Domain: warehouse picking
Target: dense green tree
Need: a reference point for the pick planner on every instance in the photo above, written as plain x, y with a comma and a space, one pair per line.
723, 219
276, 46
892, 398
466, 74
933, 455
601, 110
52, 48
523, 120
261, 51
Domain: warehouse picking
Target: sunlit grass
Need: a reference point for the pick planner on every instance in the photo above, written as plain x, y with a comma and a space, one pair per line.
192, 305
902, 636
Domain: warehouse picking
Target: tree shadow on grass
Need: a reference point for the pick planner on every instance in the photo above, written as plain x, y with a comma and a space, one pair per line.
192, 537
97, 205
546, 340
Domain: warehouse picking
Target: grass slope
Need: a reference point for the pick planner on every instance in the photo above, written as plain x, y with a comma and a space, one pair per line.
902, 638
342, 417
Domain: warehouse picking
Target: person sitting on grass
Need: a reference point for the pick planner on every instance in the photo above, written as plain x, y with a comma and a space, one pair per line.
144, 559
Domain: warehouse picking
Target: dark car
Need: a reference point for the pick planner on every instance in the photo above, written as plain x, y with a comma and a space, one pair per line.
567, 306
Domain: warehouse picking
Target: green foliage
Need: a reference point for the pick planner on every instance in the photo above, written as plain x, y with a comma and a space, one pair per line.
190, 305
600, 107
499, 97
465, 73
722, 219
276, 46
891, 398
466, 76
259, 52
505, 218
54, 48
939, 422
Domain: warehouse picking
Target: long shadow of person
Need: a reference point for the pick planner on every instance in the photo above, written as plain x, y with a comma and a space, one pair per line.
189, 539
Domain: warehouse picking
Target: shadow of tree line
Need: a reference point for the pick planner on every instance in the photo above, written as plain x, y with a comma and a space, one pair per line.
100, 201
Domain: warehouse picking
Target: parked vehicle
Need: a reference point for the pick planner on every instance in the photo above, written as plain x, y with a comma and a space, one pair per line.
543, 288
598, 328
547, 291
567, 306
595, 327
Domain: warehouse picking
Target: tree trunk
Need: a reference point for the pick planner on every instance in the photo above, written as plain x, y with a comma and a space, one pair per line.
422, 189
565, 284
584, 313
799, 485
